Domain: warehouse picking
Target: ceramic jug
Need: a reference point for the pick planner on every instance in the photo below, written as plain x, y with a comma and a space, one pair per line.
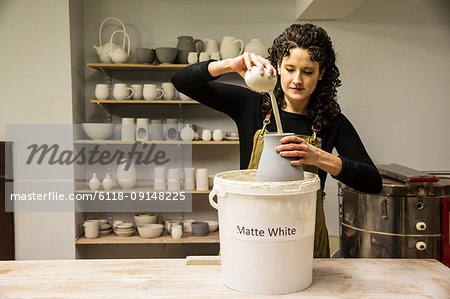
108, 182
103, 50
118, 55
231, 47
273, 167
210, 46
126, 173
185, 45
257, 47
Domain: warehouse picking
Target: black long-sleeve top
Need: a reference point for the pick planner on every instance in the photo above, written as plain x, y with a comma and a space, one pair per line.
244, 107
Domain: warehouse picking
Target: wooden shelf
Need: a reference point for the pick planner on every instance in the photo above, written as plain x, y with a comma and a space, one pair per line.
135, 66
188, 238
119, 142
145, 102
143, 189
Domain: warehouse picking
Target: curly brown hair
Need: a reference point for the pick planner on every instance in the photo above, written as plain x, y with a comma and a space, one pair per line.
322, 105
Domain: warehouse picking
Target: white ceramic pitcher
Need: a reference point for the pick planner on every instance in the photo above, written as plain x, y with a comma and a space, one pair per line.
231, 47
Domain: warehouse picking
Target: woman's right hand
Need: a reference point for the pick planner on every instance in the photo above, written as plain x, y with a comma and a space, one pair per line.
240, 65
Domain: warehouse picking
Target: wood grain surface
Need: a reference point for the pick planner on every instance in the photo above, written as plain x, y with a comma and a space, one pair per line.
172, 278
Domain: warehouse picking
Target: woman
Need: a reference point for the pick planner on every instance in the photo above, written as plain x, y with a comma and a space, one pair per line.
303, 60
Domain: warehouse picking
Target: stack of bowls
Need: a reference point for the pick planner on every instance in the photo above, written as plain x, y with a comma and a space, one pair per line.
124, 229
150, 230
105, 229
141, 219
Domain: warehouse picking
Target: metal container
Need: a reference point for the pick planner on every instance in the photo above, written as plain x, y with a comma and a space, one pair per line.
403, 221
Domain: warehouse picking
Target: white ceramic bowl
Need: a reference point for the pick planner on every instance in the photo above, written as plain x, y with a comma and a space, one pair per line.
150, 230
124, 234
98, 130
213, 225
124, 225
141, 219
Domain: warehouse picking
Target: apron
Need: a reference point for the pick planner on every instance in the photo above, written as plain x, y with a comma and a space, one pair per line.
321, 242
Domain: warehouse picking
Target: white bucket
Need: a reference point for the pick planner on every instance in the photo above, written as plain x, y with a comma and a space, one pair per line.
266, 231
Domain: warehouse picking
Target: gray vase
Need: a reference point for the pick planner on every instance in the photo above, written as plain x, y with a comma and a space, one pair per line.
185, 45
273, 167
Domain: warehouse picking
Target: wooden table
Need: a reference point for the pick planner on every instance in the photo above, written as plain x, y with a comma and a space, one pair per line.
172, 278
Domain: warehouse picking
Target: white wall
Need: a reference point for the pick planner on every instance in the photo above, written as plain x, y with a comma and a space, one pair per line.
35, 79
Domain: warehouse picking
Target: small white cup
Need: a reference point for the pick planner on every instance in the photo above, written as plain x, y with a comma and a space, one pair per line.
127, 129
137, 91
176, 231
120, 91
173, 179
203, 57
218, 135
160, 178
91, 229
202, 179
215, 56
151, 92
101, 92
189, 179
192, 57
206, 135
142, 129
169, 91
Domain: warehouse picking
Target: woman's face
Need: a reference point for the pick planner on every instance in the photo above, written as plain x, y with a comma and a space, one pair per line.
299, 76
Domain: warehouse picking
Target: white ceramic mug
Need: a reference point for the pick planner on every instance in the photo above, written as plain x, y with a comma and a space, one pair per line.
192, 57
206, 135
203, 57
215, 56
142, 129
91, 229
169, 91
151, 92
137, 91
102, 92
160, 178
176, 231
218, 135
173, 179
210, 45
127, 129
121, 91
157, 129
202, 179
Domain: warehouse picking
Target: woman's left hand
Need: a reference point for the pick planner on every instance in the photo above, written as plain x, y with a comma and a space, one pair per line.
297, 147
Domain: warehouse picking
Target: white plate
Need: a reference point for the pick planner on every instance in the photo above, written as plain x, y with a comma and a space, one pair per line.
231, 138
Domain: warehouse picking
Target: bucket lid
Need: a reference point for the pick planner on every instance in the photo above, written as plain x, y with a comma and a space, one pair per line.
244, 182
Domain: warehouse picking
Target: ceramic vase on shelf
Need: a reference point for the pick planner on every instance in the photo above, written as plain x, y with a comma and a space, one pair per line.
257, 47
185, 45
231, 47
273, 167
94, 182
126, 173
107, 182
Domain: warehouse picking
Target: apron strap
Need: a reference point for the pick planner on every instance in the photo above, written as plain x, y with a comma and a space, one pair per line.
266, 122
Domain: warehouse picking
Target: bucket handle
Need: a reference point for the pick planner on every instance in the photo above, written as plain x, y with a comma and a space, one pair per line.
211, 199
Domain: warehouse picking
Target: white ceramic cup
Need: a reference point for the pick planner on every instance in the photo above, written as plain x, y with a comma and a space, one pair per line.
176, 231
203, 57
127, 129
142, 129
218, 135
202, 179
215, 56
173, 179
189, 178
91, 230
192, 57
157, 129
206, 135
151, 92
137, 91
102, 92
160, 178
122, 92
169, 91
